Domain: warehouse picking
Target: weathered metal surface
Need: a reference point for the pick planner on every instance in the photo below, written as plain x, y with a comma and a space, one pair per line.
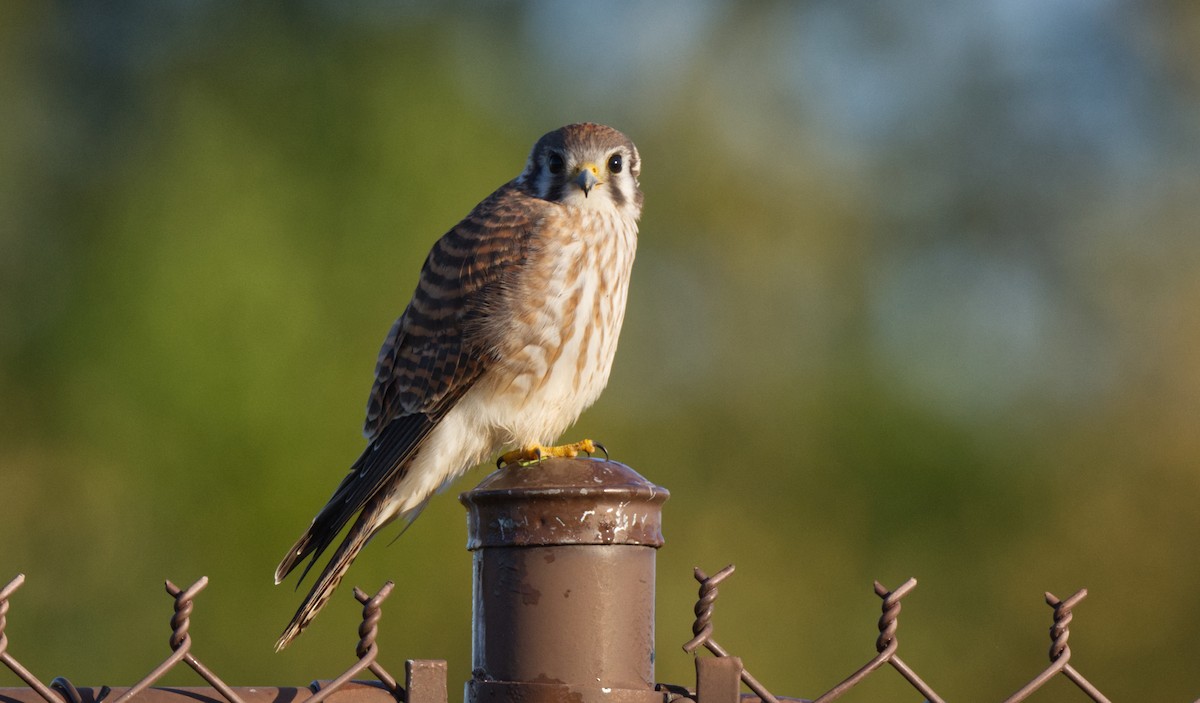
583, 613
425, 681
718, 679
563, 591
564, 501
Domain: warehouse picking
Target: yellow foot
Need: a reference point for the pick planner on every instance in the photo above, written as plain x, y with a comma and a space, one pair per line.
533, 453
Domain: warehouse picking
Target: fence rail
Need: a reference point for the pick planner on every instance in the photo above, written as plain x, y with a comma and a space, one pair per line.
580, 540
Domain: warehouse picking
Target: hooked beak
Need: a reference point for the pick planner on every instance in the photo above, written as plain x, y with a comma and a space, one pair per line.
587, 178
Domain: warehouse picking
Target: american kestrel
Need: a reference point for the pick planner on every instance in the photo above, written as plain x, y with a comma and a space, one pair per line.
509, 336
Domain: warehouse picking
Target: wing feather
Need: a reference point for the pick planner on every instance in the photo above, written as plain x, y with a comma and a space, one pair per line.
431, 356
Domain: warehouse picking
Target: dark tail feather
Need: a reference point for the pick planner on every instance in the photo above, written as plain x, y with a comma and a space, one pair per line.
294, 555
331, 576
325, 526
382, 464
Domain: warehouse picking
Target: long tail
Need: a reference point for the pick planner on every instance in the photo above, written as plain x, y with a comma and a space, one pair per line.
368, 490
358, 536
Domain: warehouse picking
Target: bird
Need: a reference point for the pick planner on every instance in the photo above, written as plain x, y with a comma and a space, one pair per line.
509, 336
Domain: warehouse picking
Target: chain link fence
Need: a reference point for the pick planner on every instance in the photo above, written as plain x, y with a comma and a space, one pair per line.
425, 680
622, 518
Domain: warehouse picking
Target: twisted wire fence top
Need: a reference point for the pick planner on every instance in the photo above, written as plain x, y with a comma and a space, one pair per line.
45, 692
181, 620
368, 629
5, 593
886, 647
1060, 630
180, 642
1060, 653
888, 621
702, 626
367, 649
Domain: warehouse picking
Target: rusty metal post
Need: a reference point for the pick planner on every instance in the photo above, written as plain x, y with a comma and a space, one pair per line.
563, 587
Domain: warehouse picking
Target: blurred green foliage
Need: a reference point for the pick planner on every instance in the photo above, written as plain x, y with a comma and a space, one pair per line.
918, 294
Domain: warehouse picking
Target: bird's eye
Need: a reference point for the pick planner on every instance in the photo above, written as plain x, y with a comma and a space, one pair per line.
555, 163
614, 163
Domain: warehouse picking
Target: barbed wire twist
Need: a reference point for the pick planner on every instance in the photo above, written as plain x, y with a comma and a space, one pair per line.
60, 685
9, 660
1060, 652
888, 621
886, 645
367, 650
180, 642
702, 628
1060, 631
181, 621
368, 630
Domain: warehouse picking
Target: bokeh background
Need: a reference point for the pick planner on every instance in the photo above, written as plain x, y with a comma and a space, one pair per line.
917, 294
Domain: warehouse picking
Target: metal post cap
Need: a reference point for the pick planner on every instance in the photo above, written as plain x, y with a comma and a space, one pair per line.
564, 501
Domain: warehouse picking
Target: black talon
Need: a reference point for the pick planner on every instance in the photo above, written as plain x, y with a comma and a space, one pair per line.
602, 448
500, 462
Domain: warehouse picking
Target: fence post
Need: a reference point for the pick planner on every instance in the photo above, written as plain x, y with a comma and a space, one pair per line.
563, 584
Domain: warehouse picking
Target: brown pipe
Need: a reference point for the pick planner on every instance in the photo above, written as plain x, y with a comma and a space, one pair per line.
563, 586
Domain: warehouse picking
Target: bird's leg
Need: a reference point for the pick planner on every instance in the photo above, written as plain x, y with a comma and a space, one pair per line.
535, 452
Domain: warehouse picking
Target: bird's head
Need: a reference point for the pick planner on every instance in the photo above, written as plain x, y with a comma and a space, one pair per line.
586, 166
